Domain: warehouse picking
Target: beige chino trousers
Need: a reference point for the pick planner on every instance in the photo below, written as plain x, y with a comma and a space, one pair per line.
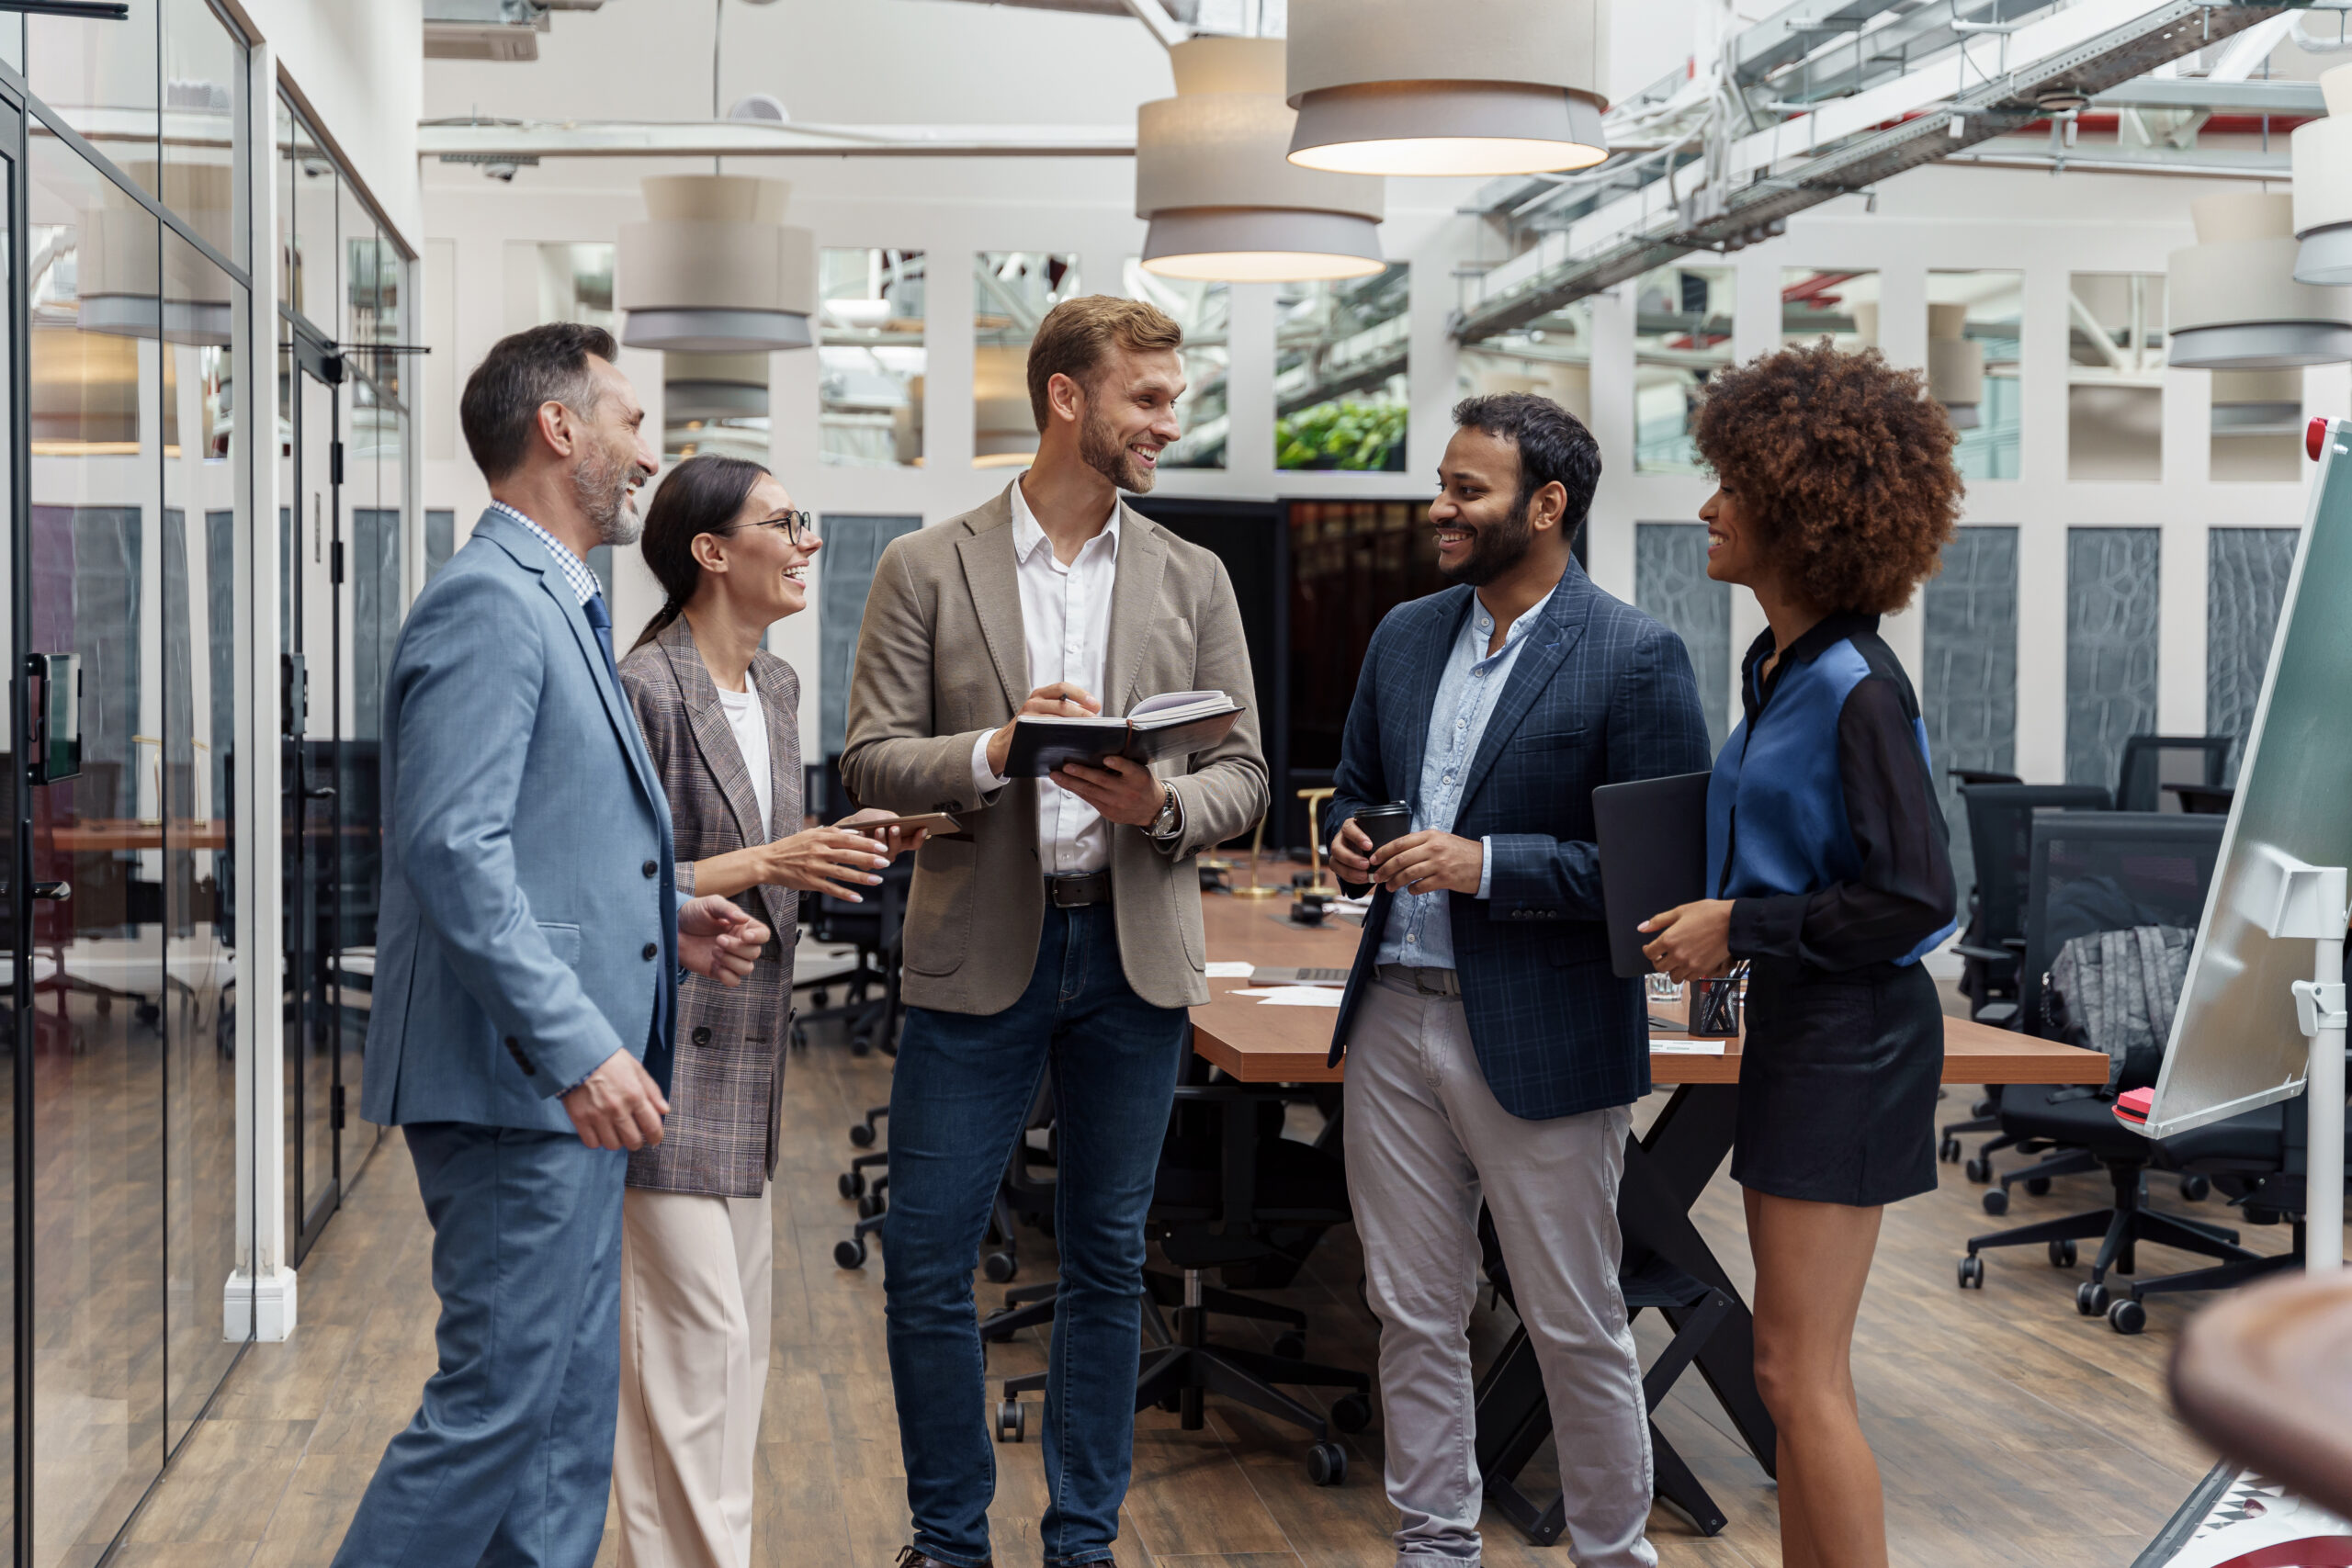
696, 1298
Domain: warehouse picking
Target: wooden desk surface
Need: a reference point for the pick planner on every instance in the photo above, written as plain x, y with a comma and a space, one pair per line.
1282, 1044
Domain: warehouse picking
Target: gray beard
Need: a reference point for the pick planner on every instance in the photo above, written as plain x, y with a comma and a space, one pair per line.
603, 489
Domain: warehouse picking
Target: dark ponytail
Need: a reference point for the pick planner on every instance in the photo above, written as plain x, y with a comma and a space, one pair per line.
702, 495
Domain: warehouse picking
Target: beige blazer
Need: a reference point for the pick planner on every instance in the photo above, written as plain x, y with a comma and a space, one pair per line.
942, 659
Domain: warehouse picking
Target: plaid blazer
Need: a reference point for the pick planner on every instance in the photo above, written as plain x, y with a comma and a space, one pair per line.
727, 1089
1600, 694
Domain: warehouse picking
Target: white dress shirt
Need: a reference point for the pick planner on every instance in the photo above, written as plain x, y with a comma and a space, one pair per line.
1065, 622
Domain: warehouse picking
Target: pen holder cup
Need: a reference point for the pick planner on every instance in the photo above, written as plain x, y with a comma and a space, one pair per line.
1715, 1007
1381, 824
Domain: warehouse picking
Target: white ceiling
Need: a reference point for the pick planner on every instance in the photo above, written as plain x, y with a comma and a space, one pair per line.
886, 62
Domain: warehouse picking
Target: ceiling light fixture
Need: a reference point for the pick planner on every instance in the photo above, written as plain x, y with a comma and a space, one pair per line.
1222, 201
712, 270
2323, 194
1955, 366
2233, 302
1448, 86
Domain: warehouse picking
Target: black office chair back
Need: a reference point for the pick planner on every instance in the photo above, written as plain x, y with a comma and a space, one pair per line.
2000, 835
2152, 761
832, 798
2098, 871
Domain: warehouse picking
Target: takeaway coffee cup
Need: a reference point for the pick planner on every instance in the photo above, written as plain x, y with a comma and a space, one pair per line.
1381, 824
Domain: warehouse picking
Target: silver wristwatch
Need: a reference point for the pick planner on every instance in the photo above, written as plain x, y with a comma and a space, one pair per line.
1165, 825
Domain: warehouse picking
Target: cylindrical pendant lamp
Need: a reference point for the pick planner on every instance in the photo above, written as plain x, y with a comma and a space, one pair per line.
1222, 200
1448, 86
2232, 302
1955, 366
2322, 149
712, 269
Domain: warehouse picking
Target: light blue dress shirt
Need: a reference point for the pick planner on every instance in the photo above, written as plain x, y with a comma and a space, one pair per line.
1418, 933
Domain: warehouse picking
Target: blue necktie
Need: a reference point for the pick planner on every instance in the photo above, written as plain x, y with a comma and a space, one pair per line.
602, 623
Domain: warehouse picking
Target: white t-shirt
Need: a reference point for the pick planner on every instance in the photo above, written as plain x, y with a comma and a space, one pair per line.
749, 719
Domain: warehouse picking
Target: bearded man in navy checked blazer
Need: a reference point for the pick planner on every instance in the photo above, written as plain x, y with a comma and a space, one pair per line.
1493, 1054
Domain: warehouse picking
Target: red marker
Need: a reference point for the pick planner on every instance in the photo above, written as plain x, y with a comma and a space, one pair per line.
2315, 438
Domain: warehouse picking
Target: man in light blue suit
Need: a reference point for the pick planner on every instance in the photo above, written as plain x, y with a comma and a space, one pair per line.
526, 968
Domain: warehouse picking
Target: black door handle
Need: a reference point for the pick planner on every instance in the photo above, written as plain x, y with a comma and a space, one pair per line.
55, 892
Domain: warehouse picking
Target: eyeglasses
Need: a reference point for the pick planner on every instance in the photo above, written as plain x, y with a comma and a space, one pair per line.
793, 525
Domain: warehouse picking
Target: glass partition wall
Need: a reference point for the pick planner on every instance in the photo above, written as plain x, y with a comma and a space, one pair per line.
130, 467
341, 455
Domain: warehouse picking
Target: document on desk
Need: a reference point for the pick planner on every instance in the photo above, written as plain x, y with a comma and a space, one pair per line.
1686, 1048
1292, 995
1235, 970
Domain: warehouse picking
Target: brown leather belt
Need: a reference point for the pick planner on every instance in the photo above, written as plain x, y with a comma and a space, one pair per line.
1075, 892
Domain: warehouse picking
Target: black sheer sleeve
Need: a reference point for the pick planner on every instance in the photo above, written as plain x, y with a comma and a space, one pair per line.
1904, 892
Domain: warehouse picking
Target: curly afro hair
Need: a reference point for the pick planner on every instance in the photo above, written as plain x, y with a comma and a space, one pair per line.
1844, 463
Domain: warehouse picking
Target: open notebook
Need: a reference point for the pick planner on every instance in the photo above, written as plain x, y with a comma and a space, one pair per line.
1173, 724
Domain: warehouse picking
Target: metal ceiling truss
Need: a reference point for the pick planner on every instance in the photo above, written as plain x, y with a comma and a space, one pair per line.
1889, 119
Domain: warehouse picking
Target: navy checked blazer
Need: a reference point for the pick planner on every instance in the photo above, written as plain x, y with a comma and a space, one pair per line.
1602, 693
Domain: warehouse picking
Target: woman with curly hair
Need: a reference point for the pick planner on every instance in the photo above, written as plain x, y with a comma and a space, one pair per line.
1827, 851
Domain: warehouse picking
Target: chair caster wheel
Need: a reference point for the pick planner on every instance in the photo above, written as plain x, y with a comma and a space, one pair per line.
1351, 1412
1291, 1345
2037, 1185
1972, 1273
2127, 1316
862, 1045
862, 1135
2062, 1255
849, 1254
1997, 1200
869, 1205
2090, 1298
2196, 1189
1171, 1403
820, 996
1949, 1150
1326, 1464
1000, 1267
852, 1184
1012, 1420
1978, 1169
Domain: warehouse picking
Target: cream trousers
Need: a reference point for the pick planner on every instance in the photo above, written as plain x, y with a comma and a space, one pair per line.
696, 1296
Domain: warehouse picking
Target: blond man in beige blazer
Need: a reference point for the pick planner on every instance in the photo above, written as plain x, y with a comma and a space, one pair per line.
1063, 930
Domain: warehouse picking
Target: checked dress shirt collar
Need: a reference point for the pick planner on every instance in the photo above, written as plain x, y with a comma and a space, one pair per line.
583, 582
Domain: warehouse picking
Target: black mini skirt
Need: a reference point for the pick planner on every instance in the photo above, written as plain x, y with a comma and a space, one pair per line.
1838, 1083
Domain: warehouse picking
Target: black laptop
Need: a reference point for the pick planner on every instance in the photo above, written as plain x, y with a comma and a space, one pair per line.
1653, 836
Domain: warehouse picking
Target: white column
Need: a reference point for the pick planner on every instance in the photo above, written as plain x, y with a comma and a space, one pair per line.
258, 1300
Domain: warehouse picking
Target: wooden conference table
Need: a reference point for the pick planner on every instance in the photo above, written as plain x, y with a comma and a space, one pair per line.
1666, 1168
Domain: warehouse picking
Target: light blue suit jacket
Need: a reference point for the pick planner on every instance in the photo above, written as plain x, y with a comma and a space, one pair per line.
529, 928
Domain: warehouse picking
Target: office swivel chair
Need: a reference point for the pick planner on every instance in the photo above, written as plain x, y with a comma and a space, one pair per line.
2261, 1161
869, 1008
2095, 872
2152, 761
1228, 1185
2000, 838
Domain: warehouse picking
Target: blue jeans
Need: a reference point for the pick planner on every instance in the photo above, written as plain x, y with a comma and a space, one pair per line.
509, 1459
958, 1099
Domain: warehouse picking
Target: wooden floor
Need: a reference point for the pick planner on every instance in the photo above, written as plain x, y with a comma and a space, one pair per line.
2011, 1430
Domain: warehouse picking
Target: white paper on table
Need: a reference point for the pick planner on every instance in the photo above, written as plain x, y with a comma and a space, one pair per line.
1236, 971
1298, 997
1687, 1047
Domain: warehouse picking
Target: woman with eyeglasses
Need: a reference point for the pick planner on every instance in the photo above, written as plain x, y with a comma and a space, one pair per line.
720, 715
